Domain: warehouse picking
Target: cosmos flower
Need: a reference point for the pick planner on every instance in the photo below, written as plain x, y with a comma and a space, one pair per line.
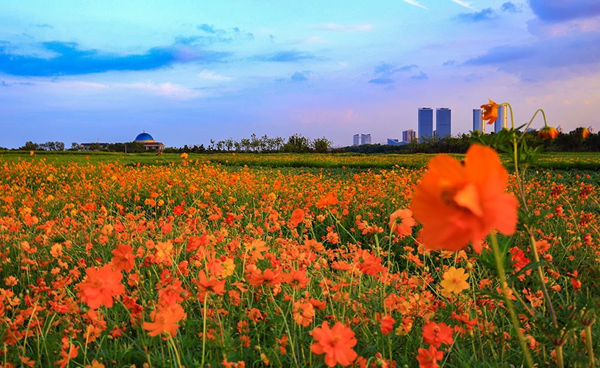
548, 133
165, 320
100, 286
336, 343
401, 222
490, 112
437, 334
428, 358
458, 204
454, 281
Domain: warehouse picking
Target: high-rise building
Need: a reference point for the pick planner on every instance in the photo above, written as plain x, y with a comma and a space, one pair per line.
425, 122
443, 122
409, 135
478, 120
501, 121
356, 139
365, 139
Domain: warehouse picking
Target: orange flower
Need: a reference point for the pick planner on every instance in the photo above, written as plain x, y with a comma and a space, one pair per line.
329, 200
205, 285
297, 217
303, 313
100, 286
455, 281
165, 320
490, 112
336, 343
437, 334
30, 153
184, 155
548, 133
461, 203
585, 133
123, 259
401, 222
428, 358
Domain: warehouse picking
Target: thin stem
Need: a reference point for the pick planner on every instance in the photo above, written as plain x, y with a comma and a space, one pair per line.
509, 304
589, 345
204, 330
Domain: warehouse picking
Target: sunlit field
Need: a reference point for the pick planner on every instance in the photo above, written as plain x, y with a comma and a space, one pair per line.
240, 260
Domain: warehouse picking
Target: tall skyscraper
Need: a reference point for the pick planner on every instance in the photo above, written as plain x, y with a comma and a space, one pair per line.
501, 121
478, 120
356, 140
425, 122
409, 135
365, 139
443, 122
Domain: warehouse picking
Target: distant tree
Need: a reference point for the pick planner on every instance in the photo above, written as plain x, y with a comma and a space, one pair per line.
321, 145
30, 146
297, 143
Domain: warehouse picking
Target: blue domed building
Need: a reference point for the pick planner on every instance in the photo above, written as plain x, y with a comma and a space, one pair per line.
148, 142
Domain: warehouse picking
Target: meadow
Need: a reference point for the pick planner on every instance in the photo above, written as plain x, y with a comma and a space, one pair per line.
244, 260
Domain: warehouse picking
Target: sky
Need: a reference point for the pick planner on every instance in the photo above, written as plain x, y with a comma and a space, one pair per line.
189, 71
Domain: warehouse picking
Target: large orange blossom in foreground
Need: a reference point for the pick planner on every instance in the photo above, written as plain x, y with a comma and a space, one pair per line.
461, 203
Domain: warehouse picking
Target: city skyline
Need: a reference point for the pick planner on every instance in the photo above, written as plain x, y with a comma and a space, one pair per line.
189, 72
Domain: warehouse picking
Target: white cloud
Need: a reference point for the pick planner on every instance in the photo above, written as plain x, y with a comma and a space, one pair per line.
415, 3
335, 27
463, 3
208, 75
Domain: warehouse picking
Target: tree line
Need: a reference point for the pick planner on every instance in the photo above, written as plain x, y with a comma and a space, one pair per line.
564, 142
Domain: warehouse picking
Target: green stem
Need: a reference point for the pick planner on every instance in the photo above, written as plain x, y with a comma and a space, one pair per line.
589, 345
511, 309
204, 330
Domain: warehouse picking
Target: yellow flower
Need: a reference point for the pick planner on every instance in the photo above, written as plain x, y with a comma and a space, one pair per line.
455, 281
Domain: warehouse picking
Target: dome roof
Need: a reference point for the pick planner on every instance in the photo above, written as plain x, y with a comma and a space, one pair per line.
142, 137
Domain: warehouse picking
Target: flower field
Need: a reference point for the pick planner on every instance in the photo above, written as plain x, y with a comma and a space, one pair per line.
195, 263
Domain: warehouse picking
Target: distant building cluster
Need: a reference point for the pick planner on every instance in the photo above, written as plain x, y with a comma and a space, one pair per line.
443, 125
360, 139
443, 120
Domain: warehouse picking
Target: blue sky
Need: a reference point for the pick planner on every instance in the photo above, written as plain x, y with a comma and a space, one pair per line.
188, 71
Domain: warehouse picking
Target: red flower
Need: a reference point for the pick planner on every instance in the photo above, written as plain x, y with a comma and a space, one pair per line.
336, 343
437, 334
123, 259
428, 358
387, 325
100, 286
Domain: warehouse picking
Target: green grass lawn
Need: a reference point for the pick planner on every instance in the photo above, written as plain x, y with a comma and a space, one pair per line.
563, 160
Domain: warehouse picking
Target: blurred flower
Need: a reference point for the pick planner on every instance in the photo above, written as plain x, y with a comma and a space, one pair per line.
458, 204
336, 343
585, 133
184, 155
387, 325
548, 133
490, 112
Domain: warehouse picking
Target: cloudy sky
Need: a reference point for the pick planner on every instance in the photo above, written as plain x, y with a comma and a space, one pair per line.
191, 70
